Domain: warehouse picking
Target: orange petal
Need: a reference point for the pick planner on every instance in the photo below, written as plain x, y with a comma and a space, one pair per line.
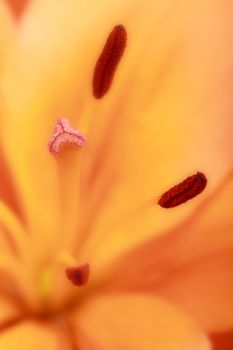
28, 336
168, 114
6, 40
17, 6
222, 341
8, 309
68, 33
8, 192
6, 31
134, 323
192, 265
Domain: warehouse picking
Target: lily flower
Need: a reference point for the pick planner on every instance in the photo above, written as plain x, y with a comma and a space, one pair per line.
116, 175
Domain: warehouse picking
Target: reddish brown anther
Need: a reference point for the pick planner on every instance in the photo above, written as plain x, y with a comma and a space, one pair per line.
181, 193
108, 61
78, 275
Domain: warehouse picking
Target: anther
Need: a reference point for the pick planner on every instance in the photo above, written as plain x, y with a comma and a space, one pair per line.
65, 134
78, 275
108, 61
186, 190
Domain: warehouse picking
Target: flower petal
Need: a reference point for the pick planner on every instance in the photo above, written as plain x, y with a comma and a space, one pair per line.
222, 341
135, 322
168, 115
192, 265
6, 31
17, 6
8, 310
30, 335
66, 33
8, 192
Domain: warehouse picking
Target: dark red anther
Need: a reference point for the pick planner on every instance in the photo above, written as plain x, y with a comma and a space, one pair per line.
181, 193
78, 275
108, 61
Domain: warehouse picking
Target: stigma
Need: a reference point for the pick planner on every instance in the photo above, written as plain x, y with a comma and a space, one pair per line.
65, 134
78, 275
184, 191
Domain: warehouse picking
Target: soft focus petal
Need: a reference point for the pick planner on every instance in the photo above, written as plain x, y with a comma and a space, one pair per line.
29, 336
168, 115
13, 237
8, 191
135, 323
8, 311
222, 341
17, 6
53, 60
17, 282
192, 265
6, 31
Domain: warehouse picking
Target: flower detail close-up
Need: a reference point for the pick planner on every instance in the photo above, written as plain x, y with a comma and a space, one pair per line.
116, 176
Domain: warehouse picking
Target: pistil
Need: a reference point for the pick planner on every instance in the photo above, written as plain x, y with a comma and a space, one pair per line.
65, 134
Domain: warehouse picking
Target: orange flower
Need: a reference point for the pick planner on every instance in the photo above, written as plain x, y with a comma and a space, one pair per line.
88, 259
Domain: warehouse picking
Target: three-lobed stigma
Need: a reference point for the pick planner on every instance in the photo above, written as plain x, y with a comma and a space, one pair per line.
63, 135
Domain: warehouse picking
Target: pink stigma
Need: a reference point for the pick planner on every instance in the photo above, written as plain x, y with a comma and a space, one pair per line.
65, 134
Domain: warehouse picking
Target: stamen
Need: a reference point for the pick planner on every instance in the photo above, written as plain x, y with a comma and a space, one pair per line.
78, 275
65, 134
108, 61
186, 190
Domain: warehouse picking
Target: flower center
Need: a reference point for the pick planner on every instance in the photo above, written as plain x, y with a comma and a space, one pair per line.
40, 288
